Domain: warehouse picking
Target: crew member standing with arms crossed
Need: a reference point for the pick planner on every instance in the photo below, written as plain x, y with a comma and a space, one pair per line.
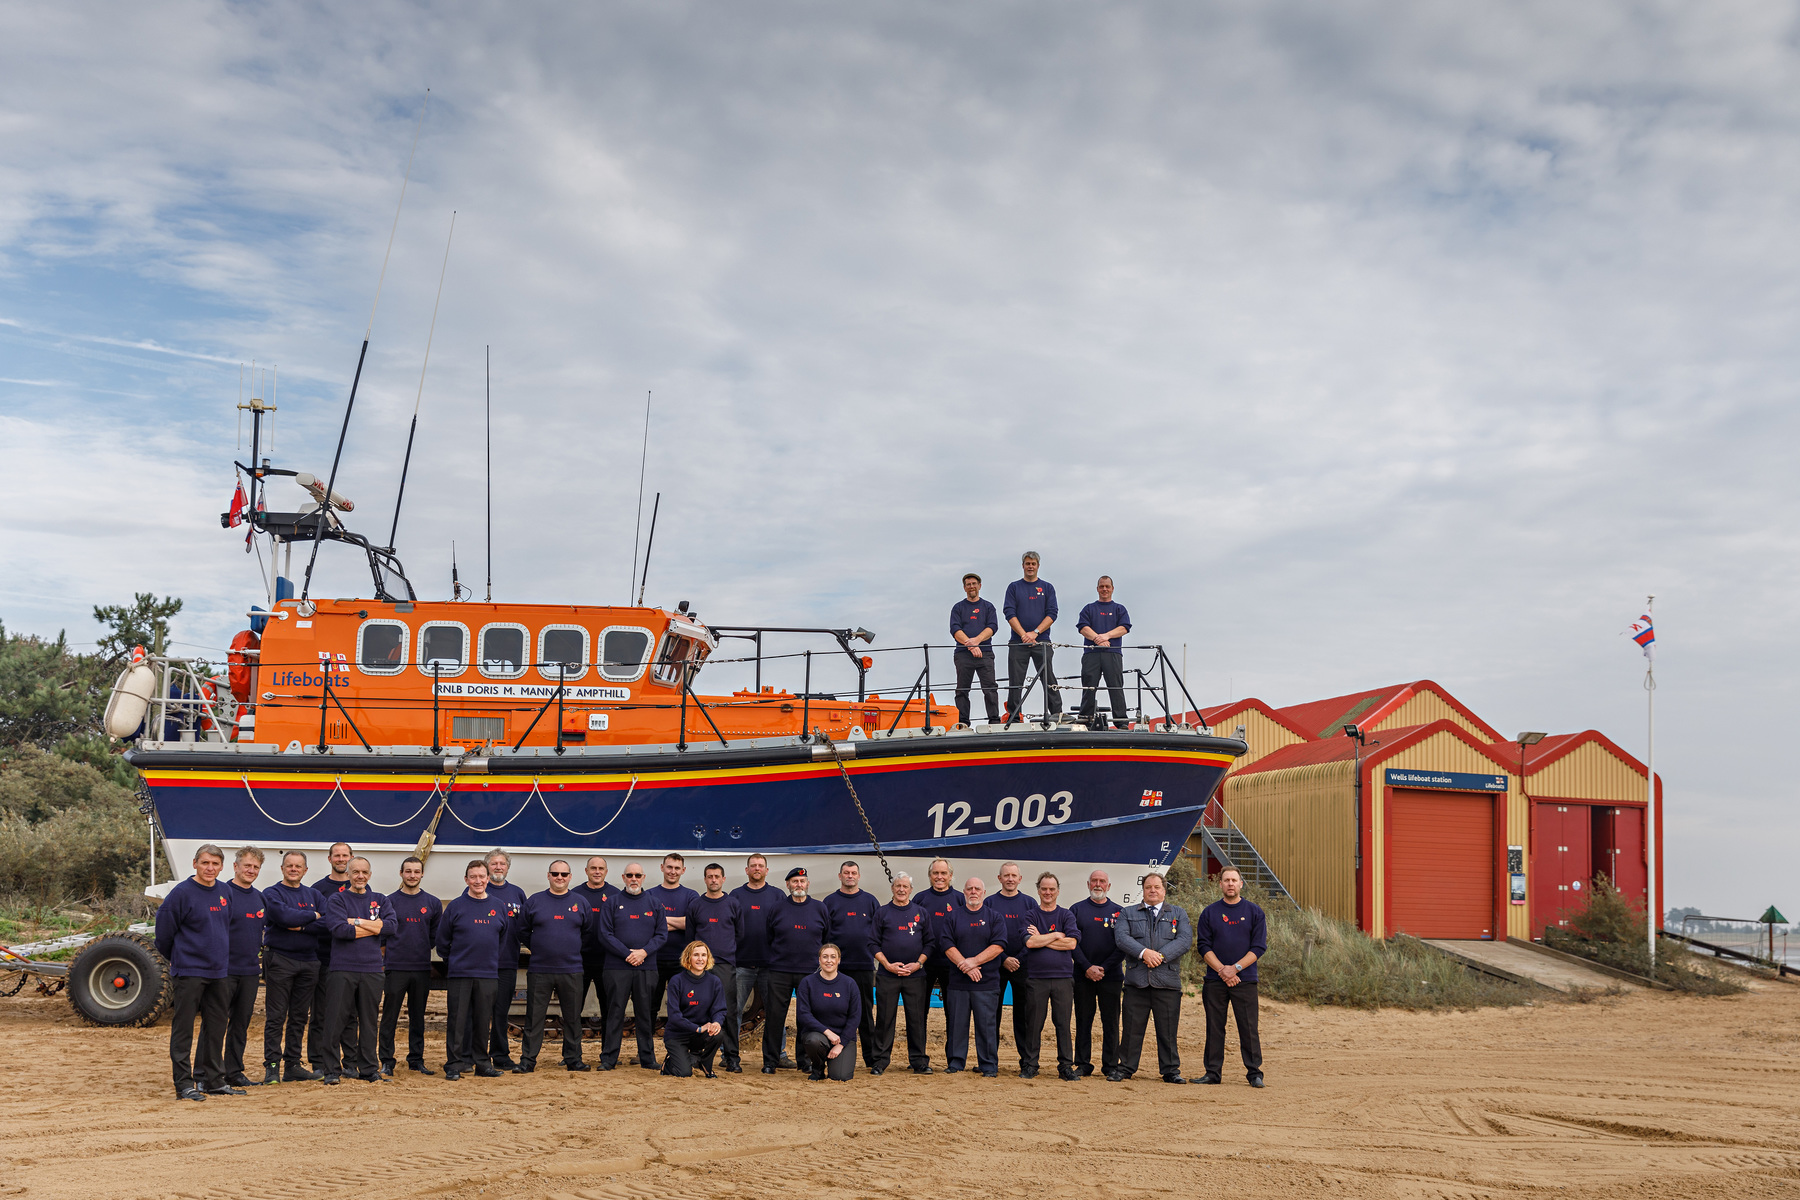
335, 881
248, 909
1050, 943
408, 962
511, 898
974, 624
1099, 977
1103, 625
675, 899
1232, 934
359, 919
193, 933
1030, 610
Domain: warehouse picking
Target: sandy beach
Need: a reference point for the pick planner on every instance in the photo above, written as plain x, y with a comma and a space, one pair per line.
1635, 1095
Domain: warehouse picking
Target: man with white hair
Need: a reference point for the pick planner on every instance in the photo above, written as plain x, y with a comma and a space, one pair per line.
1099, 975
511, 898
359, 920
902, 949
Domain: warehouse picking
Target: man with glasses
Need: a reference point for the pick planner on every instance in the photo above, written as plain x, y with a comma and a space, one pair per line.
553, 924
631, 931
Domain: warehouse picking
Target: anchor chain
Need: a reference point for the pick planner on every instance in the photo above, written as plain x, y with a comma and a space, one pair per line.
857, 800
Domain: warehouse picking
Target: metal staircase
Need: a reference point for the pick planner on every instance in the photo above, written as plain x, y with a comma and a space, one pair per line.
1227, 843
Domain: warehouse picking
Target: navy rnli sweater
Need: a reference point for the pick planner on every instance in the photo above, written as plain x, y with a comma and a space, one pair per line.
193, 929
902, 932
1098, 948
853, 928
352, 953
416, 923
632, 923
796, 931
247, 908
971, 933
1228, 930
288, 907
832, 1004
1043, 962
597, 898
694, 1002
553, 927
468, 937
755, 903
719, 923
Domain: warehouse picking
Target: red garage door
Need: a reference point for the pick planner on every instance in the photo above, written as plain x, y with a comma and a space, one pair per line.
1440, 864
1562, 863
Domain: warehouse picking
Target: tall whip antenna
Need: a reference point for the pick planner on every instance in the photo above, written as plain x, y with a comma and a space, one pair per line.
637, 526
331, 482
420, 398
490, 473
653, 511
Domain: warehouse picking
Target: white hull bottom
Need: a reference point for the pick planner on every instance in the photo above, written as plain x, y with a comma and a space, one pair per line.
444, 868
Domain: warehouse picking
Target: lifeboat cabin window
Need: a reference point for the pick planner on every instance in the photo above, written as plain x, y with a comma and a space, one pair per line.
478, 729
623, 652
562, 644
442, 648
381, 647
503, 651
677, 650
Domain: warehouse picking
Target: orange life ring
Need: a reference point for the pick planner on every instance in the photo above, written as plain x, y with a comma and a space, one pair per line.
242, 664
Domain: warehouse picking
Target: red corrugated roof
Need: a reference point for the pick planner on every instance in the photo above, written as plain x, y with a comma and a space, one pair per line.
1560, 744
1324, 718
1219, 718
1337, 749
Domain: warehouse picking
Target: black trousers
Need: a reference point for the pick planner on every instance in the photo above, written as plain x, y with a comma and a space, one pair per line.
352, 999
1141, 1003
539, 987
890, 991
289, 984
1216, 995
864, 979
685, 1051
638, 986
1020, 656
775, 1010
1055, 999
726, 974
1104, 995
1104, 664
593, 975
315, 1026
471, 1005
240, 1006
814, 1046
666, 969
499, 1043
1021, 1009
204, 999
982, 1011
411, 988
968, 667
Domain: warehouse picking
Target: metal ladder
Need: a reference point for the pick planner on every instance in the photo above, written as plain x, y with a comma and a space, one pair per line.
1228, 844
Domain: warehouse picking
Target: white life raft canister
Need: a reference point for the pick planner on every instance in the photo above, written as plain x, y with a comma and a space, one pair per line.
130, 699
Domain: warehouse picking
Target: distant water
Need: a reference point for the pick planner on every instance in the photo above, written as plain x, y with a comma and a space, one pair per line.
1748, 939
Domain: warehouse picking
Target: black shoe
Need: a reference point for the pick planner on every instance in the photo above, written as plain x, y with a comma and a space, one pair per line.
524, 1068
190, 1093
1069, 1076
1173, 1079
504, 1064
787, 1064
707, 1071
385, 1074
877, 1070
299, 1075
609, 1066
576, 1066
1086, 1069
668, 1068
1116, 1077
1209, 1077
1256, 1081
487, 1073
451, 1076
736, 1068
1028, 1072
272, 1075
225, 1089
378, 1077
990, 1074
815, 1076
239, 1079
768, 1070
420, 1069
948, 1070
329, 1080
921, 1070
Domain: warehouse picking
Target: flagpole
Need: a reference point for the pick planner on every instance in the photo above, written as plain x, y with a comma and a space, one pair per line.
1653, 914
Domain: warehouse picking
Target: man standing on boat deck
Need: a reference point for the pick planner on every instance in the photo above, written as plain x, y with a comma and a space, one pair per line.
598, 893
1103, 625
675, 899
755, 899
339, 878
1030, 610
511, 899
974, 624
193, 933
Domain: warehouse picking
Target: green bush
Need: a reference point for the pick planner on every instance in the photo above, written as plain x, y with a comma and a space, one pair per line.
67, 832
1324, 960
1610, 931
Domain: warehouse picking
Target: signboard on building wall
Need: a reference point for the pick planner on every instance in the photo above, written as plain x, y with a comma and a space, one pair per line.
1452, 781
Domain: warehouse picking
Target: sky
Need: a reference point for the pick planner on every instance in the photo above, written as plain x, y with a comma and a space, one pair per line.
1359, 343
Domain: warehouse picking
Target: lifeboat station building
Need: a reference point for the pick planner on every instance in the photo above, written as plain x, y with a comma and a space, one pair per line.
1424, 819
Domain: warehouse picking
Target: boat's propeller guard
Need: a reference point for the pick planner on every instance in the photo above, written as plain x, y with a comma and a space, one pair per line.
856, 800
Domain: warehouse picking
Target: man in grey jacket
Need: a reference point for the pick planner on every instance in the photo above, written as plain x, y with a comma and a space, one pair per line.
1153, 936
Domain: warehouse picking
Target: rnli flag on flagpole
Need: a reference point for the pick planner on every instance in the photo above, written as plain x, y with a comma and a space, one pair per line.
1644, 634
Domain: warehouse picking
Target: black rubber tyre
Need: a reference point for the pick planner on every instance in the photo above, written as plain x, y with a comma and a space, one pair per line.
120, 979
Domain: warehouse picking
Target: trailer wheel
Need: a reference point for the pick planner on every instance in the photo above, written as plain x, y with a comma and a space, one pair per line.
120, 979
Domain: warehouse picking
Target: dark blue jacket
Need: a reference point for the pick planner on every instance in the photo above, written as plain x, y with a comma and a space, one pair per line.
512, 900
902, 933
193, 929
1030, 603
632, 923
351, 953
937, 906
1097, 948
1104, 618
971, 619
597, 898
469, 935
719, 923
853, 928
675, 902
971, 933
289, 906
834, 1004
1017, 909
796, 931
694, 1002
416, 924
247, 908
1043, 962
1228, 930
554, 928
755, 903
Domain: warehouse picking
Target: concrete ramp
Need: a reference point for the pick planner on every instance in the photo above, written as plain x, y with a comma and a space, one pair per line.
1527, 964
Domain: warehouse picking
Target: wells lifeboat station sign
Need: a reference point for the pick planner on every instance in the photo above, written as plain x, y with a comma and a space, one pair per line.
1452, 781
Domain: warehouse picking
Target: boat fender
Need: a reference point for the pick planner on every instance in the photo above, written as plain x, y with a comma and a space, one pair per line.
129, 703
242, 681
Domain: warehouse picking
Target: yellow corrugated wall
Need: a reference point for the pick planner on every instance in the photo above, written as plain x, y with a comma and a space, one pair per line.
1422, 709
1301, 822
1262, 735
1589, 772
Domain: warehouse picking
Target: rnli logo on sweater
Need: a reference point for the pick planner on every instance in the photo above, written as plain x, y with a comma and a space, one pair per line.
833, 995
1151, 799
254, 916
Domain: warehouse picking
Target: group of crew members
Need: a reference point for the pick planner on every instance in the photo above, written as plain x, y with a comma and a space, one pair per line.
1029, 611
340, 963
